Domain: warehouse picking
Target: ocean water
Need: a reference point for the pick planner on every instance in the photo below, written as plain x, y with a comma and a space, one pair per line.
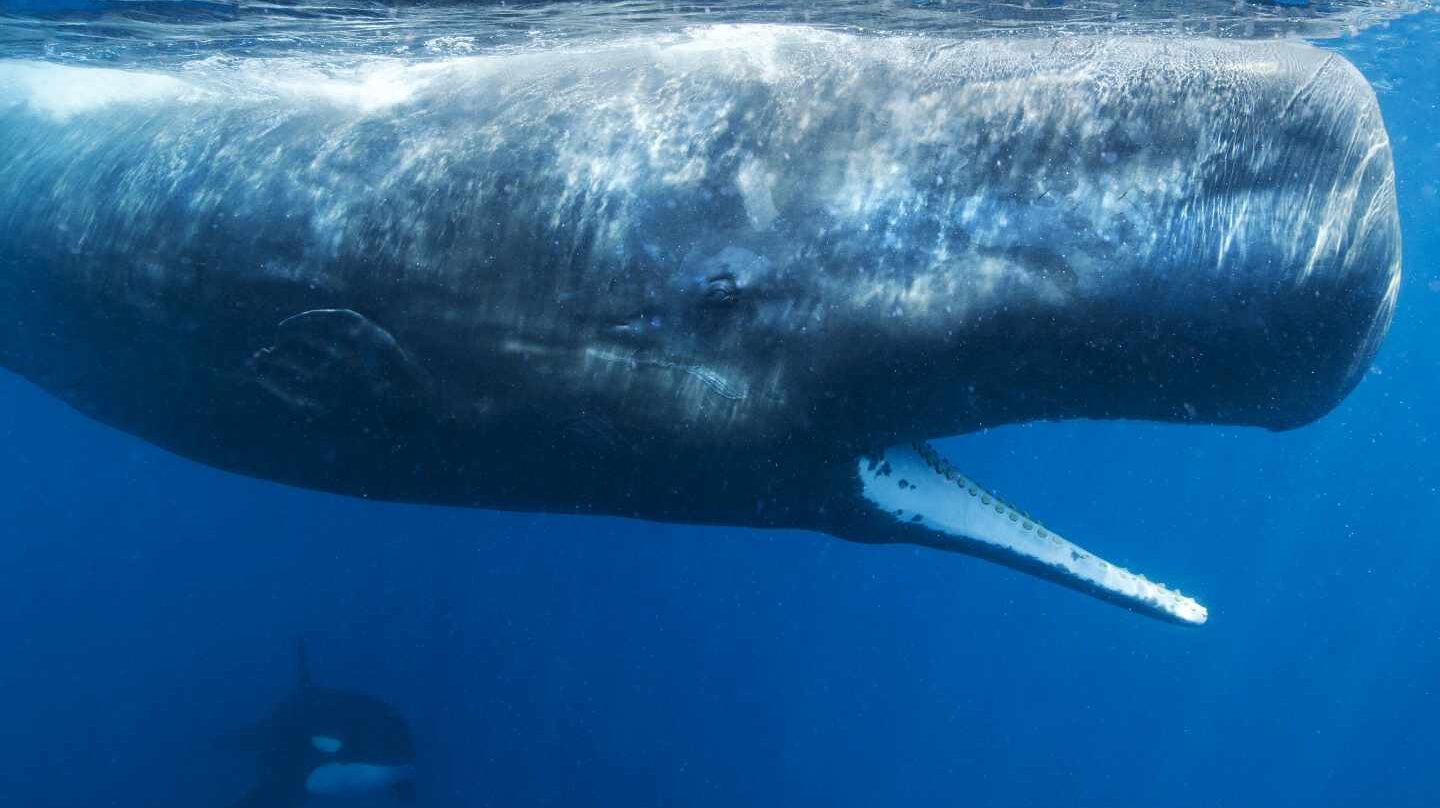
150, 604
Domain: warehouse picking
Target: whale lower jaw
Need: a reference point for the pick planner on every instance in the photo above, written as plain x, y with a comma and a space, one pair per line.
913, 495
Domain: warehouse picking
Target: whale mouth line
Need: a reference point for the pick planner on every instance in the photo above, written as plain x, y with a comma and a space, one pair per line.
929, 502
711, 379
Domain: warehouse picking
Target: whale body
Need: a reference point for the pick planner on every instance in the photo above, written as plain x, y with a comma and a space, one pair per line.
733, 276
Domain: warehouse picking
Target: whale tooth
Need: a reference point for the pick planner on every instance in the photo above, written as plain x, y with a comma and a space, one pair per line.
941, 516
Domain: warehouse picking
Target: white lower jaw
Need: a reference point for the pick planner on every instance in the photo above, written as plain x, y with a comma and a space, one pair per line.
338, 779
938, 507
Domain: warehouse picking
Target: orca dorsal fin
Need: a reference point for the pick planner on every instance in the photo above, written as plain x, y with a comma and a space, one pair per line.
302, 666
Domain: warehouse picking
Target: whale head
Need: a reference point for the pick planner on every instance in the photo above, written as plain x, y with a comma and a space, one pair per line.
924, 244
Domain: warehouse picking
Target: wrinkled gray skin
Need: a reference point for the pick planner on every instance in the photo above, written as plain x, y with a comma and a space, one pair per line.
691, 280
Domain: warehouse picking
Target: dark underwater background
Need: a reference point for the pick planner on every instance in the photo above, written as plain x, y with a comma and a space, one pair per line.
149, 604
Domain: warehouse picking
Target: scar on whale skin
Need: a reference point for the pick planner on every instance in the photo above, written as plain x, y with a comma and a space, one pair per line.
328, 361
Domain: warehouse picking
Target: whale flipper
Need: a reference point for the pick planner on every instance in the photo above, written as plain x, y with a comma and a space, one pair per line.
326, 363
911, 494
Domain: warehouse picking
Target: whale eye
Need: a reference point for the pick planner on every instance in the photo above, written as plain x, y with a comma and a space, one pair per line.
326, 744
722, 289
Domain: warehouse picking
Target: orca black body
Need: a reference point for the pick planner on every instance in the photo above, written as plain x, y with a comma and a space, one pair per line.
325, 742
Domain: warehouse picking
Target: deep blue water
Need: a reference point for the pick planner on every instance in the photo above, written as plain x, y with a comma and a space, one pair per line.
149, 604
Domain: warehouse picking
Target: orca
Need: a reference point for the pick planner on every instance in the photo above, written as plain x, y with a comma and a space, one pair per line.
323, 742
